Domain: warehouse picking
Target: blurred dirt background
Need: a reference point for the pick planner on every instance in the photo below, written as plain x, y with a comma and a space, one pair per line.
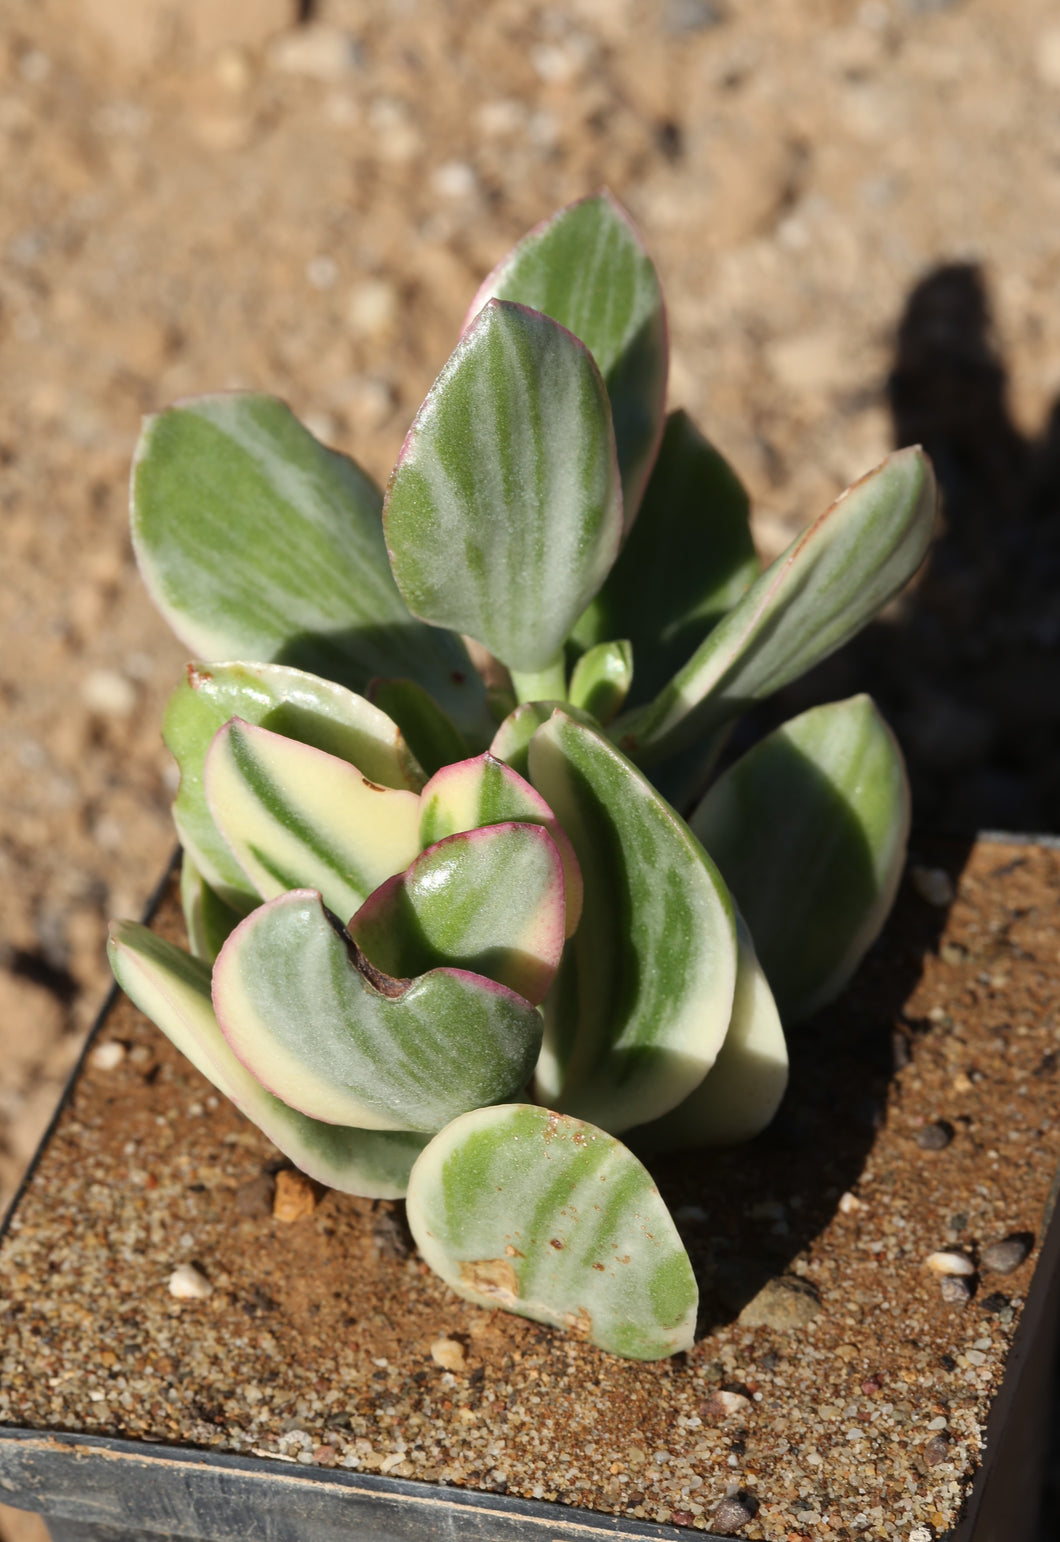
854, 206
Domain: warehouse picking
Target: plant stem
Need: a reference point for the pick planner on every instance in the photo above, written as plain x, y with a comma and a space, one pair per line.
548, 684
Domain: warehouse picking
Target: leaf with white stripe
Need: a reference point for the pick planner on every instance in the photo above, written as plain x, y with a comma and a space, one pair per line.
504, 511
830, 582
305, 1011
742, 1091
688, 560
643, 997
289, 702
511, 742
554, 1219
587, 267
256, 541
485, 791
173, 990
489, 900
294, 816
809, 829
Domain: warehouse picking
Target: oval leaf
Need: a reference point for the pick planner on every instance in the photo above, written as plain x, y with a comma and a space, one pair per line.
687, 562
293, 816
643, 997
511, 742
256, 541
587, 268
832, 579
292, 703
504, 513
304, 1010
601, 679
489, 900
553, 1219
809, 829
742, 1091
484, 791
173, 990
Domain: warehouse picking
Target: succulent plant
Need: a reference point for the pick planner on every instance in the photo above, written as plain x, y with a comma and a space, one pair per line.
451, 940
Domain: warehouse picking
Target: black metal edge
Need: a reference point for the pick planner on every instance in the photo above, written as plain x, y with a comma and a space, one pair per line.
154, 901
145, 1471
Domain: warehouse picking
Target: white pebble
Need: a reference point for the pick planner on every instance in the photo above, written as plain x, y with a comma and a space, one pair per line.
188, 1283
107, 1057
848, 1203
933, 884
449, 1354
107, 692
320, 53
456, 179
949, 1263
372, 307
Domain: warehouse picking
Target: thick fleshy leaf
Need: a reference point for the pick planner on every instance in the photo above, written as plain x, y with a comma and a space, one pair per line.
829, 583
305, 1011
742, 1091
256, 541
485, 791
209, 920
809, 829
504, 511
587, 267
174, 992
489, 900
688, 560
290, 702
644, 994
433, 738
294, 816
601, 679
554, 1219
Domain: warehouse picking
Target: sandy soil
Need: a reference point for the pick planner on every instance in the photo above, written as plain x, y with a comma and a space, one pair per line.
209, 195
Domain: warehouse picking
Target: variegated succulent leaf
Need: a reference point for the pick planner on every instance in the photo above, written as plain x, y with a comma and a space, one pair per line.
552, 1218
173, 990
587, 267
488, 900
308, 1014
511, 742
809, 829
504, 511
209, 919
484, 791
258, 542
289, 702
601, 679
433, 737
643, 997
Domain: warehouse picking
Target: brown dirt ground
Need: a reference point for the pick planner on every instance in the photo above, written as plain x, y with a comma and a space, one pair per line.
208, 195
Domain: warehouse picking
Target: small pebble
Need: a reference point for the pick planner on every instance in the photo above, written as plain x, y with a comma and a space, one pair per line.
295, 1196
955, 1289
1004, 1257
108, 693
996, 1303
937, 1449
189, 1284
783, 1303
107, 1057
848, 1203
935, 1137
449, 1354
950, 1263
254, 1198
720, 1406
734, 1511
933, 884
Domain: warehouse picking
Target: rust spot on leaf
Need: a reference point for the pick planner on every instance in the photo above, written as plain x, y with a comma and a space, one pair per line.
554, 1242
493, 1277
579, 1323
373, 786
197, 676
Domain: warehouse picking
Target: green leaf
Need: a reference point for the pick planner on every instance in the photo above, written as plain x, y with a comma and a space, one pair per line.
602, 678
209, 920
552, 1218
289, 702
504, 511
489, 900
832, 579
511, 742
433, 738
484, 791
688, 560
742, 1091
809, 829
588, 269
174, 992
643, 997
257, 542
304, 1010
294, 816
